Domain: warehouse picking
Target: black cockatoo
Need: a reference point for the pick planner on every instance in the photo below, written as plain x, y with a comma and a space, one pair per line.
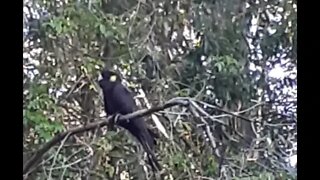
119, 101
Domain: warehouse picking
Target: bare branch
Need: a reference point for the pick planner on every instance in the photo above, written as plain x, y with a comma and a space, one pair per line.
182, 101
56, 155
37, 156
224, 111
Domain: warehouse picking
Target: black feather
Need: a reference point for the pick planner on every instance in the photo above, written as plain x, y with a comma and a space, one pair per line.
118, 100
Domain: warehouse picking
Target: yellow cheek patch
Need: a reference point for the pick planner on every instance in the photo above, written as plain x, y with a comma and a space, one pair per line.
113, 78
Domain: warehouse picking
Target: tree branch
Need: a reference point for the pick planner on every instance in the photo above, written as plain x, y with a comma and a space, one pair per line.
182, 101
56, 139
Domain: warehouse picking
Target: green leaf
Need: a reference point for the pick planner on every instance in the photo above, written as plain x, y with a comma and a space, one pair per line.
45, 134
102, 28
219, 66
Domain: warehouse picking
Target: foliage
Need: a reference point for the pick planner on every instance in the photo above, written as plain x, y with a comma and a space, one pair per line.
40, 113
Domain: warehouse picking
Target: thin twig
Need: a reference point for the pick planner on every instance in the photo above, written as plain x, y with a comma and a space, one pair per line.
78, 160
207, 127
74, 86
130, 29
250, 108
56, 155
224, 111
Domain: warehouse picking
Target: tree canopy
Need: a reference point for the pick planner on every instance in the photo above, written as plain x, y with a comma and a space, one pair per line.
206, 70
